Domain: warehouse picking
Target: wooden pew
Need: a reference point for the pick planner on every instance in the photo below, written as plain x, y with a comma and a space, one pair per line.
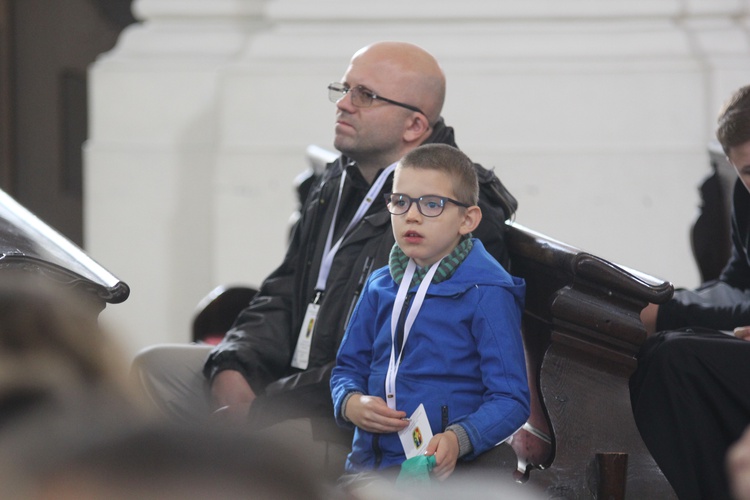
27, 244
582, 330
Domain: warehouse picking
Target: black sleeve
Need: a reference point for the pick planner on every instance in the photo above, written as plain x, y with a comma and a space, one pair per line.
714, 305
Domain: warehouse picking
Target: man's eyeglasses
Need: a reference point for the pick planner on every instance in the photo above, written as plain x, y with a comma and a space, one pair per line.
361, 97
429, 205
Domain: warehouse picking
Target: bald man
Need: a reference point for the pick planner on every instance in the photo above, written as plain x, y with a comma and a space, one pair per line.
377, 136
274, 364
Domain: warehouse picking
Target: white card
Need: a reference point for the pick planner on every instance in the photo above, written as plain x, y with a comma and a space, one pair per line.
301, 356
417, 435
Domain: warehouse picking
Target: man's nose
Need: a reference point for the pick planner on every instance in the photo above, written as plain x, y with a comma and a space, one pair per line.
345, 103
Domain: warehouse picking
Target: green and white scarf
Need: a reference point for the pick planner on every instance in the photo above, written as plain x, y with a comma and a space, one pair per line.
397, 262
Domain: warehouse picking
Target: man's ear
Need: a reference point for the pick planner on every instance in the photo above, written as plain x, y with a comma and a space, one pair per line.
417, 128
472, 218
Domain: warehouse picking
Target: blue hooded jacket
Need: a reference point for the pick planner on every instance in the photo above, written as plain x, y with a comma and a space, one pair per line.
463, 359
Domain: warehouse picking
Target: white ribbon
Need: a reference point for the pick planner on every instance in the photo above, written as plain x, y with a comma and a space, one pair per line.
398, 305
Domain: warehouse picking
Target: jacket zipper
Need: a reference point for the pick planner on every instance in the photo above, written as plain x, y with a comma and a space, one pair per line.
377, 451
401, 324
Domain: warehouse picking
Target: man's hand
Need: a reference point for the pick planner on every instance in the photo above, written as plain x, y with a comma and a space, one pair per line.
232, 395
648, 317
742, 332
445, 448
372, 414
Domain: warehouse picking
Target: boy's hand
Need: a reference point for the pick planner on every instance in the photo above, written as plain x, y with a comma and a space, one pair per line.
445, 448
372, 414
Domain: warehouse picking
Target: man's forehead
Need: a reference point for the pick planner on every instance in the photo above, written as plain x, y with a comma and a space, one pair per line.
373, 71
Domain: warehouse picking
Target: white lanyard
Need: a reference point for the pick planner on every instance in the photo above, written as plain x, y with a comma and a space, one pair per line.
329, 252
398, 305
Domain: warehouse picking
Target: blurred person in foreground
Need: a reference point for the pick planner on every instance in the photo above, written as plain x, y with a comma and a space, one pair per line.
71, 426
54, 357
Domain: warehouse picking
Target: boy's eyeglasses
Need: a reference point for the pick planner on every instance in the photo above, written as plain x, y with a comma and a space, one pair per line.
429, 205
361, 97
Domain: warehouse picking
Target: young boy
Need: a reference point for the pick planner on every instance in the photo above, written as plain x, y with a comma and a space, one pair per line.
439, 327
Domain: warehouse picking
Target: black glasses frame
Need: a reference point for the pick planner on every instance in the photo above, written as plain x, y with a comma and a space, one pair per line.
337, 91
419, 200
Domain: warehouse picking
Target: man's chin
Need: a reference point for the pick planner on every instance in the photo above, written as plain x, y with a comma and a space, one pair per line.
343, 146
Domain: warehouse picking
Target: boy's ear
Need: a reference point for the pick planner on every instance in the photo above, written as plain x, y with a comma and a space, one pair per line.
472, 218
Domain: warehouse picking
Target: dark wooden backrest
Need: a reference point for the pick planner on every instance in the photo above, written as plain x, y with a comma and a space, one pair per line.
28, 244
582, 331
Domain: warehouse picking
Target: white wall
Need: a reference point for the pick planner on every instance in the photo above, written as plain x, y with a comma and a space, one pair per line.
595, 114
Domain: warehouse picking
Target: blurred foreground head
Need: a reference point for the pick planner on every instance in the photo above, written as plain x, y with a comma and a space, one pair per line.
52, 351
158, 460
70, 428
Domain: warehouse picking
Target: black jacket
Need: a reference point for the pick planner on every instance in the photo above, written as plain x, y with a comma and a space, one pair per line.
261, 343
723, 304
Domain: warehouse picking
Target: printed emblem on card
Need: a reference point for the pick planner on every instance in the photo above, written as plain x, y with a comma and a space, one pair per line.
310, 326
417, 437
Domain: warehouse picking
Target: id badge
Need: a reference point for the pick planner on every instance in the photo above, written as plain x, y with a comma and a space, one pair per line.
301, 356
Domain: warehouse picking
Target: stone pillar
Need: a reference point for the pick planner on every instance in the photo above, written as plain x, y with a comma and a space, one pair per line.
150, 158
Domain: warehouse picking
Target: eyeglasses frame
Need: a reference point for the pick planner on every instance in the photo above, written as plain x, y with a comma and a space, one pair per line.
387, 197
345, 89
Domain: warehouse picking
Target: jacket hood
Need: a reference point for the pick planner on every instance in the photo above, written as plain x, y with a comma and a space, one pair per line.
480, 269
442, 134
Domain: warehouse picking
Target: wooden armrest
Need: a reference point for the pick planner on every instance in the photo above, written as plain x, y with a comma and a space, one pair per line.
582, 331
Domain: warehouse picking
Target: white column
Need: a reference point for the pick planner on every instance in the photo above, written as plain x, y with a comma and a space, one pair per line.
150, 159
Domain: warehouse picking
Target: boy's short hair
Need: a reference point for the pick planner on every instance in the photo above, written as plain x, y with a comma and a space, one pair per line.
734, 120
450, 160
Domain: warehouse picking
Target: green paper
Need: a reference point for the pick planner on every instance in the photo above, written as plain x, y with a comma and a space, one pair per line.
416, 470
